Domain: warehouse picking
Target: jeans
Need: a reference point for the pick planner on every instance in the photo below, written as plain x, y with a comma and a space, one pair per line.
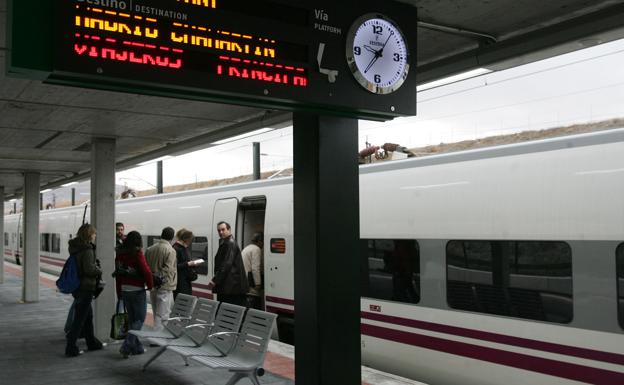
136, 306
82, 322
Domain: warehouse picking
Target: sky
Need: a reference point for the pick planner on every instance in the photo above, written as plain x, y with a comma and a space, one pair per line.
579, 87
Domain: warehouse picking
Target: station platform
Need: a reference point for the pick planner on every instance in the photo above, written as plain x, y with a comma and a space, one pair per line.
32, 350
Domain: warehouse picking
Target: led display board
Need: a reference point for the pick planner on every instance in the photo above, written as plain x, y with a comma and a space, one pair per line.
348, 58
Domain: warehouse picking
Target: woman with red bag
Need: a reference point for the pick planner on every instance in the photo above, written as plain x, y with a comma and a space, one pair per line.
131, 288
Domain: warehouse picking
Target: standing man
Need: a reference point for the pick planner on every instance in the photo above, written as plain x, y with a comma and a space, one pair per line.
229, 281
252, 259
161, 258
119, 234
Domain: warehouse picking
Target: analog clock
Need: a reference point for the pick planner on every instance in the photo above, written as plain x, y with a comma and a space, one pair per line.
377, 54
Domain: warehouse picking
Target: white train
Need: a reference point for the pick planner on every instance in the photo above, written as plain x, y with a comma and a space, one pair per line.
500, 265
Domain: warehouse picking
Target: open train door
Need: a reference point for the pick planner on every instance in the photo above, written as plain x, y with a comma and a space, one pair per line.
224, 210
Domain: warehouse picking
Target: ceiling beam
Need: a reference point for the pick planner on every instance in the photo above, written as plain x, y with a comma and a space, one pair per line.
275, 119
540, 44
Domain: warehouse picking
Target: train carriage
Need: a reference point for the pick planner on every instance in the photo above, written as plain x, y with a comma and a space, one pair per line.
489, 266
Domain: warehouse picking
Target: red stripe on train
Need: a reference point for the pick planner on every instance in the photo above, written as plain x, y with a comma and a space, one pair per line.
283, 301
497, 356
591, 354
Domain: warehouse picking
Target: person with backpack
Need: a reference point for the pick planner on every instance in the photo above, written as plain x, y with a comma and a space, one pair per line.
130, 287
83, 249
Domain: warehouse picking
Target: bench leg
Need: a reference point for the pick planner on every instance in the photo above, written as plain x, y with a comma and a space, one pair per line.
240, 375
155, 356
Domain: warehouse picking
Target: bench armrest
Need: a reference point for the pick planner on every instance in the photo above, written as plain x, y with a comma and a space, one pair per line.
219, 334
198, 325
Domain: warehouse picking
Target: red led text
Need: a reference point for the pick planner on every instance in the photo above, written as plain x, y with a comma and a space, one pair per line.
274, 73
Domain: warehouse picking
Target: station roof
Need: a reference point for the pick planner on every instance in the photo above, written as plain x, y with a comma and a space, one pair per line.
48, 128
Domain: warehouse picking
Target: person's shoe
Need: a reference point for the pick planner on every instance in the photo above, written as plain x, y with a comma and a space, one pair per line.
124, 353
73, 351
97, 345
140, 351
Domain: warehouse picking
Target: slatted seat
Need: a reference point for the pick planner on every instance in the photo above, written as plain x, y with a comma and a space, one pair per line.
222, 336
247, 356
194, 334
179, 319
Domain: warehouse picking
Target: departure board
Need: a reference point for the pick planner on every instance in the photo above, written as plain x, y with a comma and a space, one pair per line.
276, 54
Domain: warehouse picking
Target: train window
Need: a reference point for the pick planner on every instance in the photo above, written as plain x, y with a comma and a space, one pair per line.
524, 279
391, 269
6, 239
619, 258
44, 240
199, 250
56, 243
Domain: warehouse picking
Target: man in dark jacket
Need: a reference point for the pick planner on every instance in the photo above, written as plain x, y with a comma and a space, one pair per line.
229, 281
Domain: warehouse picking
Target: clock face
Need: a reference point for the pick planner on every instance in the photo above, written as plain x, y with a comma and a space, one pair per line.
377, 54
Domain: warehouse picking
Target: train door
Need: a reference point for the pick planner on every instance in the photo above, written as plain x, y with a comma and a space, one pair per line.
251, 222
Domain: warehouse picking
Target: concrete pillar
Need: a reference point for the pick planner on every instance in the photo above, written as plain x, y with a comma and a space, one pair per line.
103, 218
159, 177
256, 160
2, 234
327, 255
31, 237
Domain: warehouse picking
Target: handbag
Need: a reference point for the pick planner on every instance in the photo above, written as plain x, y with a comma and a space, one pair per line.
119, 324
192, 275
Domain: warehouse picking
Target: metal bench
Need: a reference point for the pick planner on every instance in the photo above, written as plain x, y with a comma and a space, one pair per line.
200, 324
246, 357
179, 319
221, 337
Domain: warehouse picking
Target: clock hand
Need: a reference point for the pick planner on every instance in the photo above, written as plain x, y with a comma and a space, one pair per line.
373, 60
370, 49
384, 46
378, 53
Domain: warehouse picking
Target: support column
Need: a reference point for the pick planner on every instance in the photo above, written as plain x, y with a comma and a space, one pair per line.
30, 262
327, 262
73, 196
103, 218
159, 177
256, 160
2, 234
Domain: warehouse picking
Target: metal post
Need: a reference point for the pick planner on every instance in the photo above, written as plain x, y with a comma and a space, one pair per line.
31, 238
73, 197
159, 177
327, 262
103, 218
256, 160
40, 201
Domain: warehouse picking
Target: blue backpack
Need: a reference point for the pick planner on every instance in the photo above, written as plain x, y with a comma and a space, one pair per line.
69, 280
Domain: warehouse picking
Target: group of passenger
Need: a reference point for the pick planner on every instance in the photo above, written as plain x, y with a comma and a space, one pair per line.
165, 269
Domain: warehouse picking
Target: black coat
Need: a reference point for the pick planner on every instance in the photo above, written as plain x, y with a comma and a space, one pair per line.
184, 271
229, 271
